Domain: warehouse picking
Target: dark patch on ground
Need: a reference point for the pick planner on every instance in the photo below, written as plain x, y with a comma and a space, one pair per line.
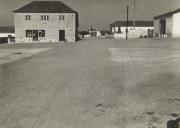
17, 53
99, 105
149, 113
178, 100
156, 120
101, 110
174, 115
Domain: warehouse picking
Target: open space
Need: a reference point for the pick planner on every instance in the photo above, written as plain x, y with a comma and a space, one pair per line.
93, 83
9, 55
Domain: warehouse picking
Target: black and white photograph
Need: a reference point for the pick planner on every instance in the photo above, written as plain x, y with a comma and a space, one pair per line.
89, 63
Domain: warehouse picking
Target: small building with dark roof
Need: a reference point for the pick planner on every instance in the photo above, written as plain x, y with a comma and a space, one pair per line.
46, 21
168, 24
141, 28
7, 34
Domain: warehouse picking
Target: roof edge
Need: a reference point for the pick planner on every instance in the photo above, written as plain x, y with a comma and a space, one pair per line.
168, 14
139, 23
20, 10
44, 12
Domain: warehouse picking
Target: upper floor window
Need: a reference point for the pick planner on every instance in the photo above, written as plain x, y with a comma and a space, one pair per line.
61, 17
27, 17
44, 18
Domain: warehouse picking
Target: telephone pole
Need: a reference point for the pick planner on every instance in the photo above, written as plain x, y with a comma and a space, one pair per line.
134, 15
127, 22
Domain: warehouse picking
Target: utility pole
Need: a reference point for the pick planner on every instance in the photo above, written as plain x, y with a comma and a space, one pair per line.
127, 22
134, 17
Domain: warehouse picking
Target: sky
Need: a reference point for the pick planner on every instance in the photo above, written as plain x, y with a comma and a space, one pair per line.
98, 13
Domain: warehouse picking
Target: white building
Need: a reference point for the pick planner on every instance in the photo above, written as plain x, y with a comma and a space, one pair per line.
7, 34
142, 29
46, 21
168, 24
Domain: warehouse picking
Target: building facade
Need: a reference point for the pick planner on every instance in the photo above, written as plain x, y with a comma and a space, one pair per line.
141, 29
46, 21
168, 24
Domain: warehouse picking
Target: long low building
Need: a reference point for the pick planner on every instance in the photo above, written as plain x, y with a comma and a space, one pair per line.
141, 29
167, 24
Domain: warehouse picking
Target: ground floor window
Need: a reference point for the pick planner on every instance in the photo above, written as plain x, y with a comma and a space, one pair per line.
41, 33
35, 34
28, 33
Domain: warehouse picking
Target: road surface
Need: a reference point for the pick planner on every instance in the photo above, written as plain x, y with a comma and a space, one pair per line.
94, 83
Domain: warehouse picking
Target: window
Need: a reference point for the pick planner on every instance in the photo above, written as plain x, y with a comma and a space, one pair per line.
41, 33
27, 17
61, 17
28, 33
44, 18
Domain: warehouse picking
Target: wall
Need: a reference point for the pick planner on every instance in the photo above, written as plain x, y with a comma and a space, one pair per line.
7, 34
169, 26
156, 28
51, 27
176, 25
140, 30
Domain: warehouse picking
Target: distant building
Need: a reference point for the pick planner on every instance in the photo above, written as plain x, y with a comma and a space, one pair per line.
46, 21
7, 34
168, 24
142, 29
82, 34
94, 33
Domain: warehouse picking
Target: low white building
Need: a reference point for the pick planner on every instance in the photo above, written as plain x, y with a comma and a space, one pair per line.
141, 29
7, 34
168, 24
46, 21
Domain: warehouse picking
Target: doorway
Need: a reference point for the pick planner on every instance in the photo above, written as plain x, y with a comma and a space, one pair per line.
162, 26
61, 35
35, 35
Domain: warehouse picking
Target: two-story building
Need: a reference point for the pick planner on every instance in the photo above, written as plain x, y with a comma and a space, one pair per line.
46, 21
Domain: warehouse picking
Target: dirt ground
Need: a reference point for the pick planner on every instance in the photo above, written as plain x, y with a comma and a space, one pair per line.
93, 83
9, 55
